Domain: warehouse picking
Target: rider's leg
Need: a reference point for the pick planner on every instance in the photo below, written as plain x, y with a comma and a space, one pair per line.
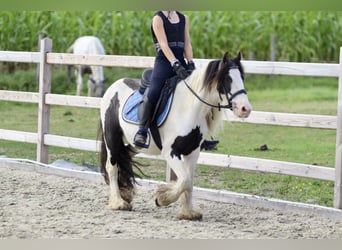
145, 113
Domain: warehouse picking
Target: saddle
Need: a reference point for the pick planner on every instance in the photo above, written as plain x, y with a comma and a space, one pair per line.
130, 109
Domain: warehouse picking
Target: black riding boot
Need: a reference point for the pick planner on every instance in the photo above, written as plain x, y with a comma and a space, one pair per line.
145, 113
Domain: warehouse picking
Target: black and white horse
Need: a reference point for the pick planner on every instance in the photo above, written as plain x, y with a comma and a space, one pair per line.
195, 112
88, 45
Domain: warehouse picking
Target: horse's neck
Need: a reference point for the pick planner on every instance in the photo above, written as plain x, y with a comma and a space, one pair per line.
196, 79
201, 94
193, 103
93, 47
194, 106
97, 72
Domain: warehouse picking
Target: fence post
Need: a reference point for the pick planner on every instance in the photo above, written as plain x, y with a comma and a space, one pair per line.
273, 48
338, 157
43, 109
40, 37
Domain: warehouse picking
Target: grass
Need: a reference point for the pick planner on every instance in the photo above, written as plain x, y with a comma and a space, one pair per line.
310, 146
276, 94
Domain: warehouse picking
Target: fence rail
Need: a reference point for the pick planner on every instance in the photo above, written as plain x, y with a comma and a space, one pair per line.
44, 98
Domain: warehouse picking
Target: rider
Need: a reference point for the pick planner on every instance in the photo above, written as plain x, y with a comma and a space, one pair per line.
170, 32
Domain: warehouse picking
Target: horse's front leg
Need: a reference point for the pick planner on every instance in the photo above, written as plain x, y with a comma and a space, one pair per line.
170, 193
79, 81
182, 187
116, 201
186, 211
91, 88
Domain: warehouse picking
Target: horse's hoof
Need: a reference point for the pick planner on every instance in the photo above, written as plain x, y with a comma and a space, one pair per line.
125, 206
156, 201
192, 215
127, 194
162, 198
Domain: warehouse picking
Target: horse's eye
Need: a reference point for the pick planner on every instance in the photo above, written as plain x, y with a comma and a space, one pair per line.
224, 87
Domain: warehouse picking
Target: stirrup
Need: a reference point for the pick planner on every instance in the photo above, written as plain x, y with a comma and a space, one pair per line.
145, 142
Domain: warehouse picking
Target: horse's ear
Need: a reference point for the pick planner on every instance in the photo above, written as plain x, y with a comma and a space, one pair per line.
239, 56
225, 57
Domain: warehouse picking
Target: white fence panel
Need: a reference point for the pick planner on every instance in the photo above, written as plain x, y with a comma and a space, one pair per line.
44, 99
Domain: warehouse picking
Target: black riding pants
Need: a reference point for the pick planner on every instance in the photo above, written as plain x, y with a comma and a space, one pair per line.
161, 72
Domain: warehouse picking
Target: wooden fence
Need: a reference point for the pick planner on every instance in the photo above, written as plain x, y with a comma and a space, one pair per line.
45, 58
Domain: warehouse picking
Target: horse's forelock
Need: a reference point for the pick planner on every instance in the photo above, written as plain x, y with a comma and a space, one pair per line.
223, 71
210, 74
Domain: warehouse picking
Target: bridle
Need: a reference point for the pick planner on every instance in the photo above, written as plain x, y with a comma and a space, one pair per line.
228, 95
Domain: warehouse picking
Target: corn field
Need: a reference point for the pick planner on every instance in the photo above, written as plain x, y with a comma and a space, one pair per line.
301, 36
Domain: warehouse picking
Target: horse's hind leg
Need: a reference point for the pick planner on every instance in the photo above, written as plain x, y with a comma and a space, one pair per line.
116, 163
118, 199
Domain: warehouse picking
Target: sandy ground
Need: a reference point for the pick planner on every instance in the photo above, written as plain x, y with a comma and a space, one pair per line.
35, 206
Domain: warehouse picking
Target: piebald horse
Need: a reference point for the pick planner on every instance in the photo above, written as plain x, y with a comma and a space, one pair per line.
195, 112
88, 45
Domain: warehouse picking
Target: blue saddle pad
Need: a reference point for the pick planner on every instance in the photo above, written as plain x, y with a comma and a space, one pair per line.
130, 109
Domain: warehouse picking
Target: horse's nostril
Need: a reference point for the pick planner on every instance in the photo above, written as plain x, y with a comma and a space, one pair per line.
245, 109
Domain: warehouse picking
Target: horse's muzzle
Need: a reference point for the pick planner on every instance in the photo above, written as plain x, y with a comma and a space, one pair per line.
242, 109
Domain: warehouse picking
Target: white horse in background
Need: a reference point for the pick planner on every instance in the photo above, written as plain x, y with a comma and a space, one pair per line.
89, 45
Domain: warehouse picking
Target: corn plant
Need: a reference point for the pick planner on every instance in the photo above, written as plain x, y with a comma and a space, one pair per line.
310, 36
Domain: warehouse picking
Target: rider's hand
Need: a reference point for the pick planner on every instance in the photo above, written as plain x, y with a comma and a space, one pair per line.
191, 65
180, 70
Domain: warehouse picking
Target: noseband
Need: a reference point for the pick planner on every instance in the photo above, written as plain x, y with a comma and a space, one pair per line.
230, 99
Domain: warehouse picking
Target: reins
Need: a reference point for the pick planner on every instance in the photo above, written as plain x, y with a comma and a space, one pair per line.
218, 106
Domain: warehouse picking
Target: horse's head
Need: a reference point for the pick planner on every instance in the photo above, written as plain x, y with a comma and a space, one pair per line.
228, 74
98, 88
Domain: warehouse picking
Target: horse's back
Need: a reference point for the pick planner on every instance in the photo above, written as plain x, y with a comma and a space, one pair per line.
124, 85
122, 89
88, 45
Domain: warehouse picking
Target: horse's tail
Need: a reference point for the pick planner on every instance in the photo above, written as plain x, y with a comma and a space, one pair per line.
121, 154
103, 154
